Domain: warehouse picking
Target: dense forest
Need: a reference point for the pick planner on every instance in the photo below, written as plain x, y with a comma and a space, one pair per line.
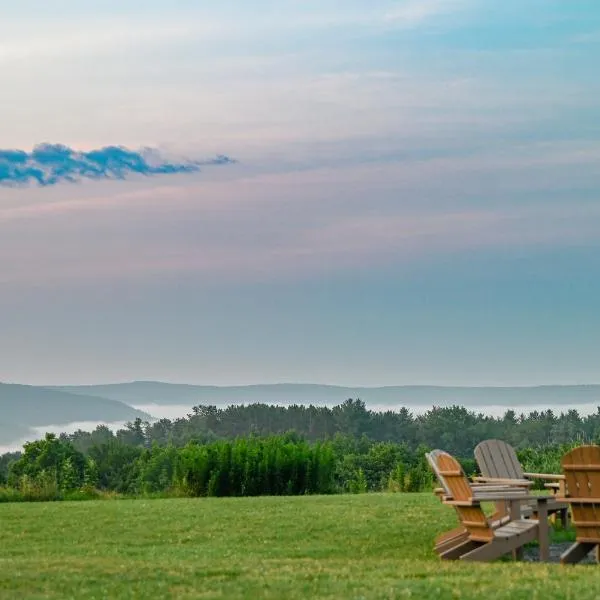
263, 449
455, 429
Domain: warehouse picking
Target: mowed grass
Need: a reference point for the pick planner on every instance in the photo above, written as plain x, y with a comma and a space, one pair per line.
364, 546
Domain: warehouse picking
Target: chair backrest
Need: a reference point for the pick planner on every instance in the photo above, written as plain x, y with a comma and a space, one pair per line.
496, 458
432, 460
456, 482
581, 467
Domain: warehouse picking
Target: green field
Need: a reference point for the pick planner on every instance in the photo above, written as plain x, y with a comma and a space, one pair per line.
363, 546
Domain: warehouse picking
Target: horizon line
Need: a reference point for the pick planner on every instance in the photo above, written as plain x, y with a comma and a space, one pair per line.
310, 384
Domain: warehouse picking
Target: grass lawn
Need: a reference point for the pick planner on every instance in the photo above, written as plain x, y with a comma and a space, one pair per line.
364, 546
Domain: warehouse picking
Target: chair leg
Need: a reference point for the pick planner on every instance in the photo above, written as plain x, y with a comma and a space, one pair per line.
517, 553
446, 545
458, 551
577, 552
488, 551
501, 510
453, 533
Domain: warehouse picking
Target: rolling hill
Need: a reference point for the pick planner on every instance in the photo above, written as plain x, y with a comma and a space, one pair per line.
148, 392
23, 407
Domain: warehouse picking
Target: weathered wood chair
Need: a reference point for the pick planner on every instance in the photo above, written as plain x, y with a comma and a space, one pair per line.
479, 538
444, 492
454, 537
498, 463
581, 467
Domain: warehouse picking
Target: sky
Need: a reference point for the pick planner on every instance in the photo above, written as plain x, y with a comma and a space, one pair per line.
408, 192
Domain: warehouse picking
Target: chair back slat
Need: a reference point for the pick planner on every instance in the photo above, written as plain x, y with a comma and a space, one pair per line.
496, 458
581, 467
472, 517
432, 460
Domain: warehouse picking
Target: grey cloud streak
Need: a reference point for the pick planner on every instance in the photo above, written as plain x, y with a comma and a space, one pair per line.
51, 164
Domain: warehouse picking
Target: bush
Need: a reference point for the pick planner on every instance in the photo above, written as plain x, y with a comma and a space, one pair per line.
52, 469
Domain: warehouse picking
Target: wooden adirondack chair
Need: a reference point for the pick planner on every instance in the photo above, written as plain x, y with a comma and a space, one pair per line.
498, 462
581, 467
443, 492
454, 537
482, 540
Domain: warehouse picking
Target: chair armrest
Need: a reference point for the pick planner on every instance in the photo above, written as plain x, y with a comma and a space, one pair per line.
499, 492
462, 502
575, 500
504, 481
552, 486
491, 497
549, 476
509, 489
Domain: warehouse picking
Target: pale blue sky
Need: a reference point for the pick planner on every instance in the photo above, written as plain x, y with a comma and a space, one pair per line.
416, 198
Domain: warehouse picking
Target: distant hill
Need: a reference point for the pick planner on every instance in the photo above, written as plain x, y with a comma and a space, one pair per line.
23, 407
149, 392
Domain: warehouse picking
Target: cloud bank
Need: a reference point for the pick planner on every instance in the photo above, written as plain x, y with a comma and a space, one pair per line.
50, 164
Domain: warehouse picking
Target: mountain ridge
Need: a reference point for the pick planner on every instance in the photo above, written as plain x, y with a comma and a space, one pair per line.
24, 407
157, 392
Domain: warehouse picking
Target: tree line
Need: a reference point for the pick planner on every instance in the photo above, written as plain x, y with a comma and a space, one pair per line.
262, 449
455, 428
53, 468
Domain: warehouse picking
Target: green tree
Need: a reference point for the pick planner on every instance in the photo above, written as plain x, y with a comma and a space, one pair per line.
49, 458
